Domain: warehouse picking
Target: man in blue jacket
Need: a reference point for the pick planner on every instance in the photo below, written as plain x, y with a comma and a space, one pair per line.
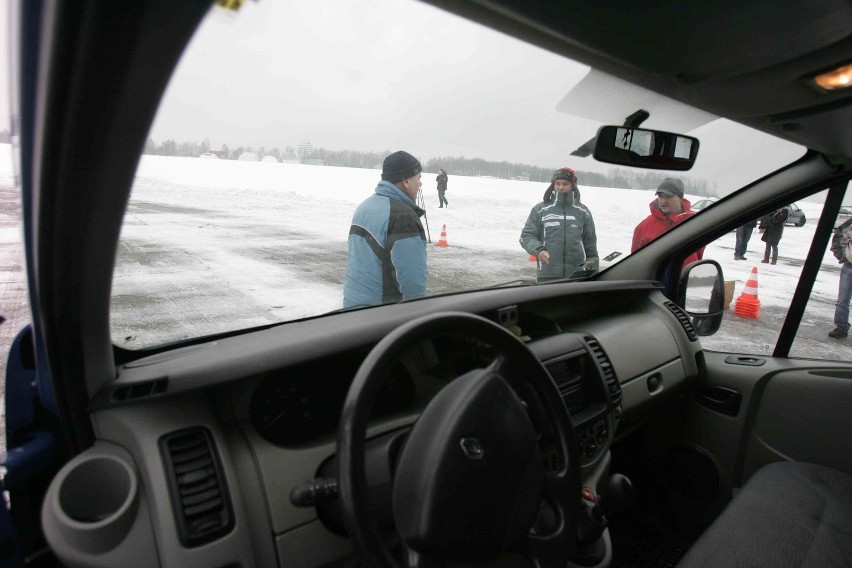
387, 244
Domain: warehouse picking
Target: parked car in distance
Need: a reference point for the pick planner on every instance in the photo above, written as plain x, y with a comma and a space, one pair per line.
209, 156
845, 211
699, 205
796, 216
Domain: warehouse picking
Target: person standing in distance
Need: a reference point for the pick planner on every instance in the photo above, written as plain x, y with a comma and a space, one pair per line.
442, 188
841, 246
386, 261
772, 228
560, 232
667, 210
743, 235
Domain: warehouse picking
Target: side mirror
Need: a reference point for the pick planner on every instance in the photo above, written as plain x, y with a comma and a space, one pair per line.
642, 148
702, 295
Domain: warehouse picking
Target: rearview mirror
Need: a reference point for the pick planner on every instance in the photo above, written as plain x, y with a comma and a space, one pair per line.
642, 148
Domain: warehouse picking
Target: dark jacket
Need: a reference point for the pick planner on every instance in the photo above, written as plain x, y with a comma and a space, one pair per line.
442, 182
656, 224
566, 230
750, 225
387, 250
838, 247
773, 226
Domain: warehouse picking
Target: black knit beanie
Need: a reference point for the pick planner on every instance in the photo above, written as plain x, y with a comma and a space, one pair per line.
399, 166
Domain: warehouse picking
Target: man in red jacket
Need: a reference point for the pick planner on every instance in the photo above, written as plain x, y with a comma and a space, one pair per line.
667, 210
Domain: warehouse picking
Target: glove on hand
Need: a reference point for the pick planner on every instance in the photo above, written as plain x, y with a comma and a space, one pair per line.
591, 263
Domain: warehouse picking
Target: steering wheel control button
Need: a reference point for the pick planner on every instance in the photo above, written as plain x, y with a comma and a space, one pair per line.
472, 448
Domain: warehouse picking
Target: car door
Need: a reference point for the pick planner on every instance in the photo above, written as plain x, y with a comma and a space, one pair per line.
784, 396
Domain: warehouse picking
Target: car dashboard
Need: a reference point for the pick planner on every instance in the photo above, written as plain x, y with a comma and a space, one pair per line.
254, 417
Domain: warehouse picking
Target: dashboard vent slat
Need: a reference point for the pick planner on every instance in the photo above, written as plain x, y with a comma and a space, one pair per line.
684, 320
606, 368
570, 385
197, 486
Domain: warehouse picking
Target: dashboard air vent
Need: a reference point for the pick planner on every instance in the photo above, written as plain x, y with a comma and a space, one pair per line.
606, 367
567, 382
197, 485
684, 320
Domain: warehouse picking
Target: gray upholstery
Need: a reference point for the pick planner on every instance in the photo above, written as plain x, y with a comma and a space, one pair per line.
787, 514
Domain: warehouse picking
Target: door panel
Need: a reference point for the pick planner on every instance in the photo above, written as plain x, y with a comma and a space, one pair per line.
33, 454
803, 415
790, 410
692, 456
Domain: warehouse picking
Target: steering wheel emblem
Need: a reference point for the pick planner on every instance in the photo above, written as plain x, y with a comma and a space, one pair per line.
472, 448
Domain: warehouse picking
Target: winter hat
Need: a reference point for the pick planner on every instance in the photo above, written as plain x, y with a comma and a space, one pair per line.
399, 166
565, 173
671, 186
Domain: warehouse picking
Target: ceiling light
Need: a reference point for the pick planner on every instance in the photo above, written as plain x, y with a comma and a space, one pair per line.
840, 78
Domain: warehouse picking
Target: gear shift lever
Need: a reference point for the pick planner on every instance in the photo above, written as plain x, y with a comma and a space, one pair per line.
616, 495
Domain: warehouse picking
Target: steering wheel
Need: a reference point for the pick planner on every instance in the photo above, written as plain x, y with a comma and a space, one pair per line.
470, 481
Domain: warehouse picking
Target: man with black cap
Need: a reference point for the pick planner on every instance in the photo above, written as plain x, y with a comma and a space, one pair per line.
387, 244
560, 231
667, 210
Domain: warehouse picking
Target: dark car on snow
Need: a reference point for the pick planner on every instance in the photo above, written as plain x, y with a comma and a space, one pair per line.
795, 216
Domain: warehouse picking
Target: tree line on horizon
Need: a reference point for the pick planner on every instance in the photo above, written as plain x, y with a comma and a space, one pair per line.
622, 178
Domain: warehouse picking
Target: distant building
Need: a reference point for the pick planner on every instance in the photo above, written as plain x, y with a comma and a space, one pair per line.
248, 157
304, 151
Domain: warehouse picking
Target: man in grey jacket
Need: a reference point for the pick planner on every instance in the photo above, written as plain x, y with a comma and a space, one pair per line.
560, 232
841, 246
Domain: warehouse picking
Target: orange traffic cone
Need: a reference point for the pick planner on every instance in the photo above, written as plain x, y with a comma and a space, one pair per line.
442, 242
748, 306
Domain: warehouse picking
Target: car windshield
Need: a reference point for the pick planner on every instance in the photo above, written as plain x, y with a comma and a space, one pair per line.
282, 118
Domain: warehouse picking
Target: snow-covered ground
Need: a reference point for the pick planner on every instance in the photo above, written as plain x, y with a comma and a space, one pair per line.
269, 241
217, 245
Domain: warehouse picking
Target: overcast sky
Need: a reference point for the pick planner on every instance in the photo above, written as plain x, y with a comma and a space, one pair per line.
398, 74
362, 75
404, 75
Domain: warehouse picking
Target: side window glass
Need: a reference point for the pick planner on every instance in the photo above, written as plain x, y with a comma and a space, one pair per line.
762, 262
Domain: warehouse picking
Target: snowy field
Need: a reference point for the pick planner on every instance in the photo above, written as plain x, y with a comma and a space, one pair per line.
213, 245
